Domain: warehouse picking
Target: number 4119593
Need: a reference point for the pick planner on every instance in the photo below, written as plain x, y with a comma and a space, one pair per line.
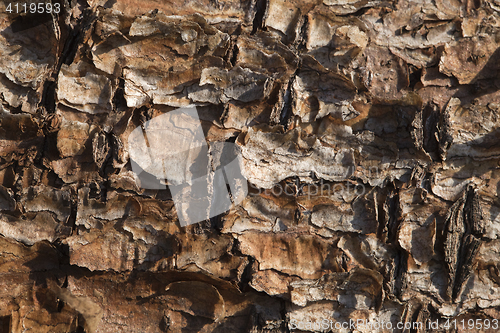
471, 324
38, 8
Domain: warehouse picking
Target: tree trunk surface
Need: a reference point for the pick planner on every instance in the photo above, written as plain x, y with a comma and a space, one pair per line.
363, 193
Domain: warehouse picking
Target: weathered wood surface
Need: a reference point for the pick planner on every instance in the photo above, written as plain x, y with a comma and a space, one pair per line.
369, 135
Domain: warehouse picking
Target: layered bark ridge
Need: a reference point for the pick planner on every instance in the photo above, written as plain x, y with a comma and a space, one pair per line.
368, 133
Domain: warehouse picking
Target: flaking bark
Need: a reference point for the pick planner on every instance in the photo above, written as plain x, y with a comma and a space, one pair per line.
368, 133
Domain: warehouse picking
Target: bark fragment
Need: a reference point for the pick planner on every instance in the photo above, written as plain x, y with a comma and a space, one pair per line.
462, 227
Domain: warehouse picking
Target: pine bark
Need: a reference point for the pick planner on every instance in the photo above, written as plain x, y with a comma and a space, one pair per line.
368, 137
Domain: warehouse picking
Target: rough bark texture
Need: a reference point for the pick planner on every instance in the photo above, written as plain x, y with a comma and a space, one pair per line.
369, 135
